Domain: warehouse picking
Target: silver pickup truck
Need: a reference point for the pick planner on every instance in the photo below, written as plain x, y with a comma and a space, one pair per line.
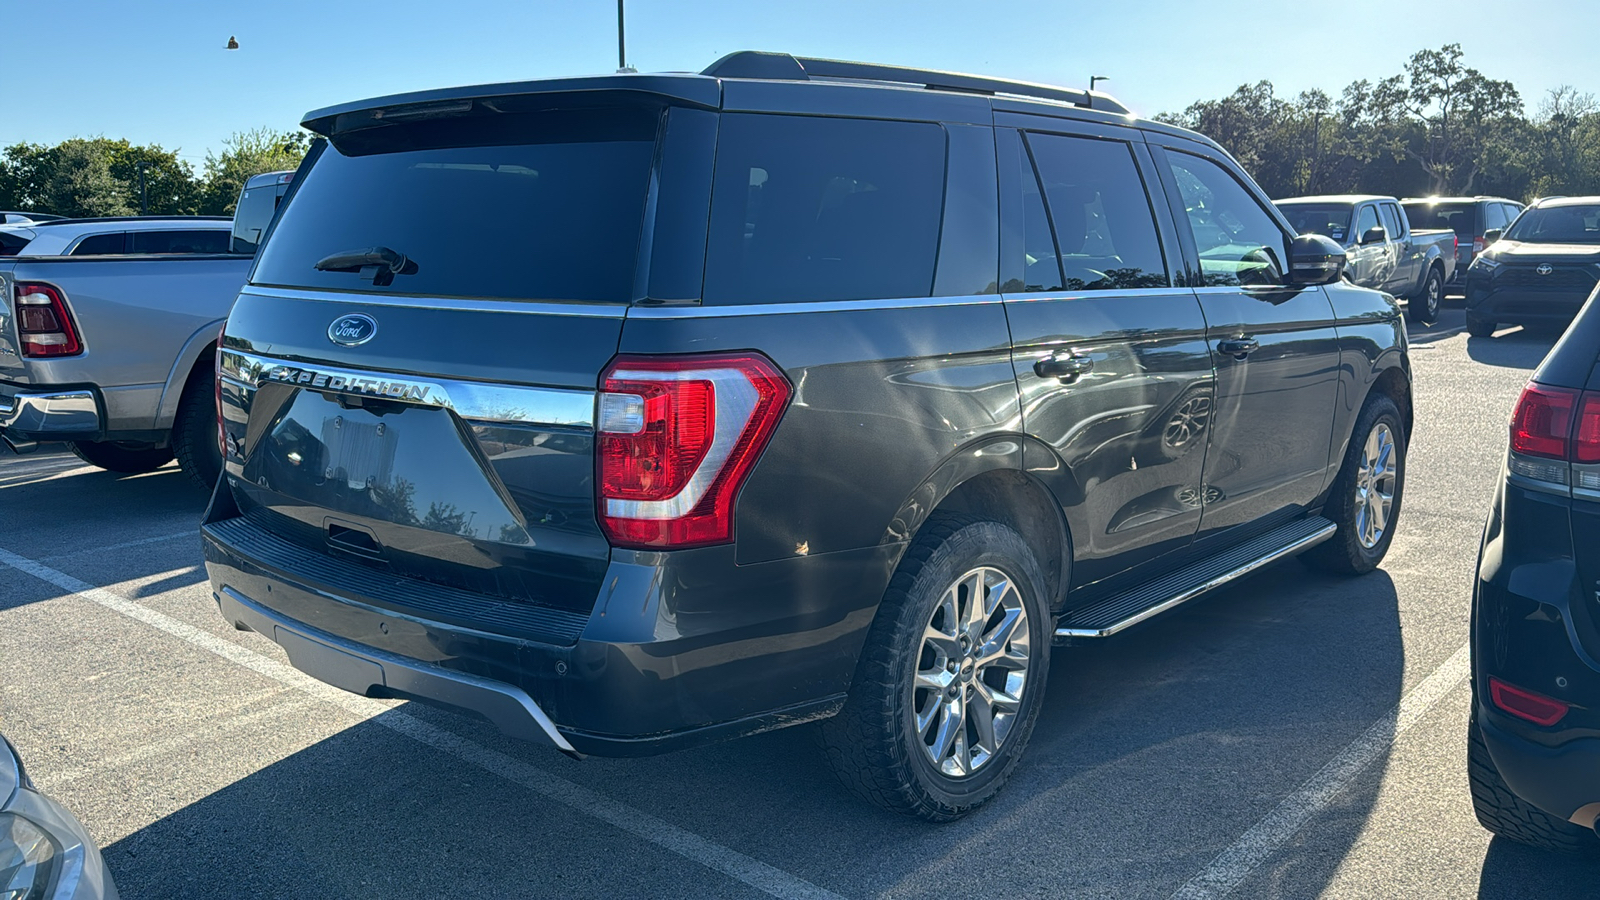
1384, 251
114, 353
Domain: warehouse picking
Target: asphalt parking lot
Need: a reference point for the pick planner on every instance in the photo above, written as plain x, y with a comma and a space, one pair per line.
1294, 736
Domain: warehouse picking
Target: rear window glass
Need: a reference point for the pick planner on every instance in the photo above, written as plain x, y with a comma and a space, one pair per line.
195, 241
1328, 220
824, 209
1462, 218
536, 207
10, 243
253, 215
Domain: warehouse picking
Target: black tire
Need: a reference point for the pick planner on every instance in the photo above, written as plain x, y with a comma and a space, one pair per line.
118, 456
873, 743
1480, 328
194, 429
1424, 307
1509, 816
1346, 553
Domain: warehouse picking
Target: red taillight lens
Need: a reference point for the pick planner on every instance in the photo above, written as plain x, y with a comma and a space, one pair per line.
1586, 438
42, 322
1524, 704
676, 438
1478, 243
1542, 421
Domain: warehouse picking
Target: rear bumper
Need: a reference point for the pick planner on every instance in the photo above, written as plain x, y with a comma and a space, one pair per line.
681, 649
373, 673
30, 416
1560, 780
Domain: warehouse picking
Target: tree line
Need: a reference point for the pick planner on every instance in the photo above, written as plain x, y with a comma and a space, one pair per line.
104, 177
1437, 127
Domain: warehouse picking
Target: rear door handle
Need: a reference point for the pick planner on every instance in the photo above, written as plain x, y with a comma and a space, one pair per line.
1065, 367
1238, 348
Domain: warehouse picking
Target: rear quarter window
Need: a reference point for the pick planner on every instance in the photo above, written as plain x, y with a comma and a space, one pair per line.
102, 245
209, 240
808, 209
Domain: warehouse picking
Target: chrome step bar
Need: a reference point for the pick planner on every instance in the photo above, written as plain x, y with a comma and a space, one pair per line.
1128, 609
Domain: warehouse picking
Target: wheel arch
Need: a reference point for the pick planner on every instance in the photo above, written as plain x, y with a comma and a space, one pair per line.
200, 349
988, 480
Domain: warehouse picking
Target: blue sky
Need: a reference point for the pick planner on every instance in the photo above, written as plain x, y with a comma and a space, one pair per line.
156, 72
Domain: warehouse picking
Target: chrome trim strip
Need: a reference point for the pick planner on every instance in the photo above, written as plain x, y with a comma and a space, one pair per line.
475, 400
526, 307
788, 309
1308, 541
62, 412
1025, 297
1534, 484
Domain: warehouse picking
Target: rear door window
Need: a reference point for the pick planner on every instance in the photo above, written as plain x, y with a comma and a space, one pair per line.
531, 206
210, 240
1494, 216
1238, 242
1391, 220
809, 209
101, 245
1104, 228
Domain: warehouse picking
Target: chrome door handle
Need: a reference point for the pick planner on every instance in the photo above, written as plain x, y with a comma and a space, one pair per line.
1238, 348
1067, 368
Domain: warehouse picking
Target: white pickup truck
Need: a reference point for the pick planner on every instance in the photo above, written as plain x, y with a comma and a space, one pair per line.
1384, 251
112, 351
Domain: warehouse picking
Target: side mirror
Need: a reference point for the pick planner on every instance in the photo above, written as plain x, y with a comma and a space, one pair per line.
1492, 235
1374, 235
1316, 259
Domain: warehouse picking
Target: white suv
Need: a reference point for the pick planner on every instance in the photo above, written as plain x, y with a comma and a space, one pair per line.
116, 236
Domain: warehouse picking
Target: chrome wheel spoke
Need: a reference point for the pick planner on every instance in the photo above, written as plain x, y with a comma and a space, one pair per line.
959, 716
1375, 484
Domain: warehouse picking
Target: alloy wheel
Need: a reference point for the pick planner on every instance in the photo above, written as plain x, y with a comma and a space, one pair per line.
972, 669
1375, 484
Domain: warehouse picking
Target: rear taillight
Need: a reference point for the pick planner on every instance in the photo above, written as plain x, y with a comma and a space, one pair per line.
676, 438
1478, 244
1525, 704
1542, 422
1586, 437
42, 322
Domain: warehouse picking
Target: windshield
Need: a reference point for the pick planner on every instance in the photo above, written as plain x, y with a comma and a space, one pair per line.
1332, 220
1462, 218
545, 206
1558, 225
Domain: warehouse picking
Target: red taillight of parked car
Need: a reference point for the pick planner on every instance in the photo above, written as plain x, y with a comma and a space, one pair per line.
1525, 704
42, 322
1586, 436
1478, 243
1542, 422
676, 438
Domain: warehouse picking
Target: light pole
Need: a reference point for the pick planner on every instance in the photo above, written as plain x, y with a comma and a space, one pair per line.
622, 46
144, 207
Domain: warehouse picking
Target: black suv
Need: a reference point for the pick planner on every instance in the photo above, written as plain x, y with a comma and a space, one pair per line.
1541, 271
638, 411
1534, 740
1471, 218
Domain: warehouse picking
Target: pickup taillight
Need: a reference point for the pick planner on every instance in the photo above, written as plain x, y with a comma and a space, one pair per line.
45, 328
676, 437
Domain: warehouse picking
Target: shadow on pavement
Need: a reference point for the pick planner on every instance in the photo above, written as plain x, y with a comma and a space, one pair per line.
1150, 758
1513, 871
1522, 349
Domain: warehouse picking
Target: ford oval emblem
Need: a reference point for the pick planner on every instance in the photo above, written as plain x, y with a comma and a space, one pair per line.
352, 329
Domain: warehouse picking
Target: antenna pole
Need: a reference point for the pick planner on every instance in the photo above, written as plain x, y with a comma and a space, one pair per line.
622, 46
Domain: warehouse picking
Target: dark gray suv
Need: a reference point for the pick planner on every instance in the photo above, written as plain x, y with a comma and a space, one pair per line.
639, 411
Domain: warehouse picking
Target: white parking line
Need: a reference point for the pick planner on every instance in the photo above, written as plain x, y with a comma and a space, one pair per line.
102, 548
1233, 865
663, 834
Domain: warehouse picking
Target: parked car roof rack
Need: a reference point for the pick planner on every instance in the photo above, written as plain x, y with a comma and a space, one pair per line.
786, 67
54, 222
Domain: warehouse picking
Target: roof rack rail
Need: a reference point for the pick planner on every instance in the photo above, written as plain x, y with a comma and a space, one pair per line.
785, 67
79, 221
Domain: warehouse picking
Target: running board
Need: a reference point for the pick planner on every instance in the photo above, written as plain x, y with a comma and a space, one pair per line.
1119, 611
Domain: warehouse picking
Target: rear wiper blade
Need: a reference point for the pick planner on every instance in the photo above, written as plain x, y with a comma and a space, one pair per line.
378, 263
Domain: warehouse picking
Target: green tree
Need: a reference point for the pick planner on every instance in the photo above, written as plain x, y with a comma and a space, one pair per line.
1463, 121
81, 182
24, 171
244, 154
169, 184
